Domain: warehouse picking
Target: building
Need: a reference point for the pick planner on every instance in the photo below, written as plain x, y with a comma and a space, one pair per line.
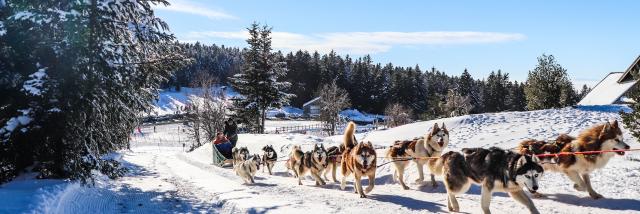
613, 88
311, 108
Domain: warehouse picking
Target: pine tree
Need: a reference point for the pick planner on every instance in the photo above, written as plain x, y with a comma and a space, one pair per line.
631, 119
495, 91
517, 100
548, 85
465, 85
258, 82
79, 73
583, 92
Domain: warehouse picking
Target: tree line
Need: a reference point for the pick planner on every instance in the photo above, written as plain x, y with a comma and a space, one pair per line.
372, 87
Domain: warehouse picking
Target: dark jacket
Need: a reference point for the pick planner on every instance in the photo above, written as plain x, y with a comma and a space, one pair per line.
231, 131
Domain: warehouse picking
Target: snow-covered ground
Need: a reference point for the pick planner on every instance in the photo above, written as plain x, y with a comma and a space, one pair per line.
166, 179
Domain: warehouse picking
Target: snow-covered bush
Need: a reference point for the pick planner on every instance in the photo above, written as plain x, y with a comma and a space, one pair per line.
74, 75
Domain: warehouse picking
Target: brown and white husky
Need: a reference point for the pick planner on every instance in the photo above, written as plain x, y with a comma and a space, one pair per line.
358, 159
430, 146
607, 136
312, 162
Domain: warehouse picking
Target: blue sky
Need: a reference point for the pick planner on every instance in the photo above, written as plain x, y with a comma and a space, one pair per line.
588, 38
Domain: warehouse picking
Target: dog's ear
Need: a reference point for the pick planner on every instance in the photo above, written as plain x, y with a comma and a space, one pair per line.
614, 124
605, 129
435, 129
443, 126
369, 144
535, 159
521, 161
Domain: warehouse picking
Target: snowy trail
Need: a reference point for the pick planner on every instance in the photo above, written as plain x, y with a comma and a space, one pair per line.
167, 180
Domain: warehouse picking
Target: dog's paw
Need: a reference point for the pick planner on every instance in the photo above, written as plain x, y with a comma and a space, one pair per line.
342, 186
368, 190
579, 188
363, 196
595, 195
434, 184
405, 187
538, 195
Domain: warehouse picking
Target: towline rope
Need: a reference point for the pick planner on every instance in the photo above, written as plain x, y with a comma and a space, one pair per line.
397, 159
586, 152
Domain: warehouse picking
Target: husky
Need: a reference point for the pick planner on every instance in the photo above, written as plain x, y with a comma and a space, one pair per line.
334, 155
495, 169
269, 157
247, 169
358, 159
419, 150
312, 162
607, 136
239, 155
292, 161
536, 147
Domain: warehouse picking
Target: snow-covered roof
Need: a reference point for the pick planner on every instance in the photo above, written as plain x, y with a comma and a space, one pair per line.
310, 102
627, 74
607, 91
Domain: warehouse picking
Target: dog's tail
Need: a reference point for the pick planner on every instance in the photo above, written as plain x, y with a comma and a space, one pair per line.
349, 138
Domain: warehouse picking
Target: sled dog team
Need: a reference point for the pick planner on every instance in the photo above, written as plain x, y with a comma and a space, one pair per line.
494, 169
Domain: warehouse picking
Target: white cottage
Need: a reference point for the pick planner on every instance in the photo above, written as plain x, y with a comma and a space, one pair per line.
613, 88
312, 107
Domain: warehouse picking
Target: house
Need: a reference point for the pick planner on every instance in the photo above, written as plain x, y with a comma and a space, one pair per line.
613, 89
311, 108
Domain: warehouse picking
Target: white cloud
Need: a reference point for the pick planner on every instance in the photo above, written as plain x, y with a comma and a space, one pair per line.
185, 6
365, 42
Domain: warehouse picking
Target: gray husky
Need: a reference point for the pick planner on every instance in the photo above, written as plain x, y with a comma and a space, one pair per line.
240, 154
496, 170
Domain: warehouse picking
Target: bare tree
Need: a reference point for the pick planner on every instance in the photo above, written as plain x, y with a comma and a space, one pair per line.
207, 112
397, 115
332, 100
457, 104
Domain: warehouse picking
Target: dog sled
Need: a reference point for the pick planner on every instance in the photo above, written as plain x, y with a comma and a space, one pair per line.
218, 158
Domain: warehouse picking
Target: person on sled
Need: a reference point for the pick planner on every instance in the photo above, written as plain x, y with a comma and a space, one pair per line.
222, 149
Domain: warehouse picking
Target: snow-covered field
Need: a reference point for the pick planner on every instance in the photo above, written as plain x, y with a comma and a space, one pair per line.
166, 179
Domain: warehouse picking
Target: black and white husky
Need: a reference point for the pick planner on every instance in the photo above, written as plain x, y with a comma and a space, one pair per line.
269, 157
496, 170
